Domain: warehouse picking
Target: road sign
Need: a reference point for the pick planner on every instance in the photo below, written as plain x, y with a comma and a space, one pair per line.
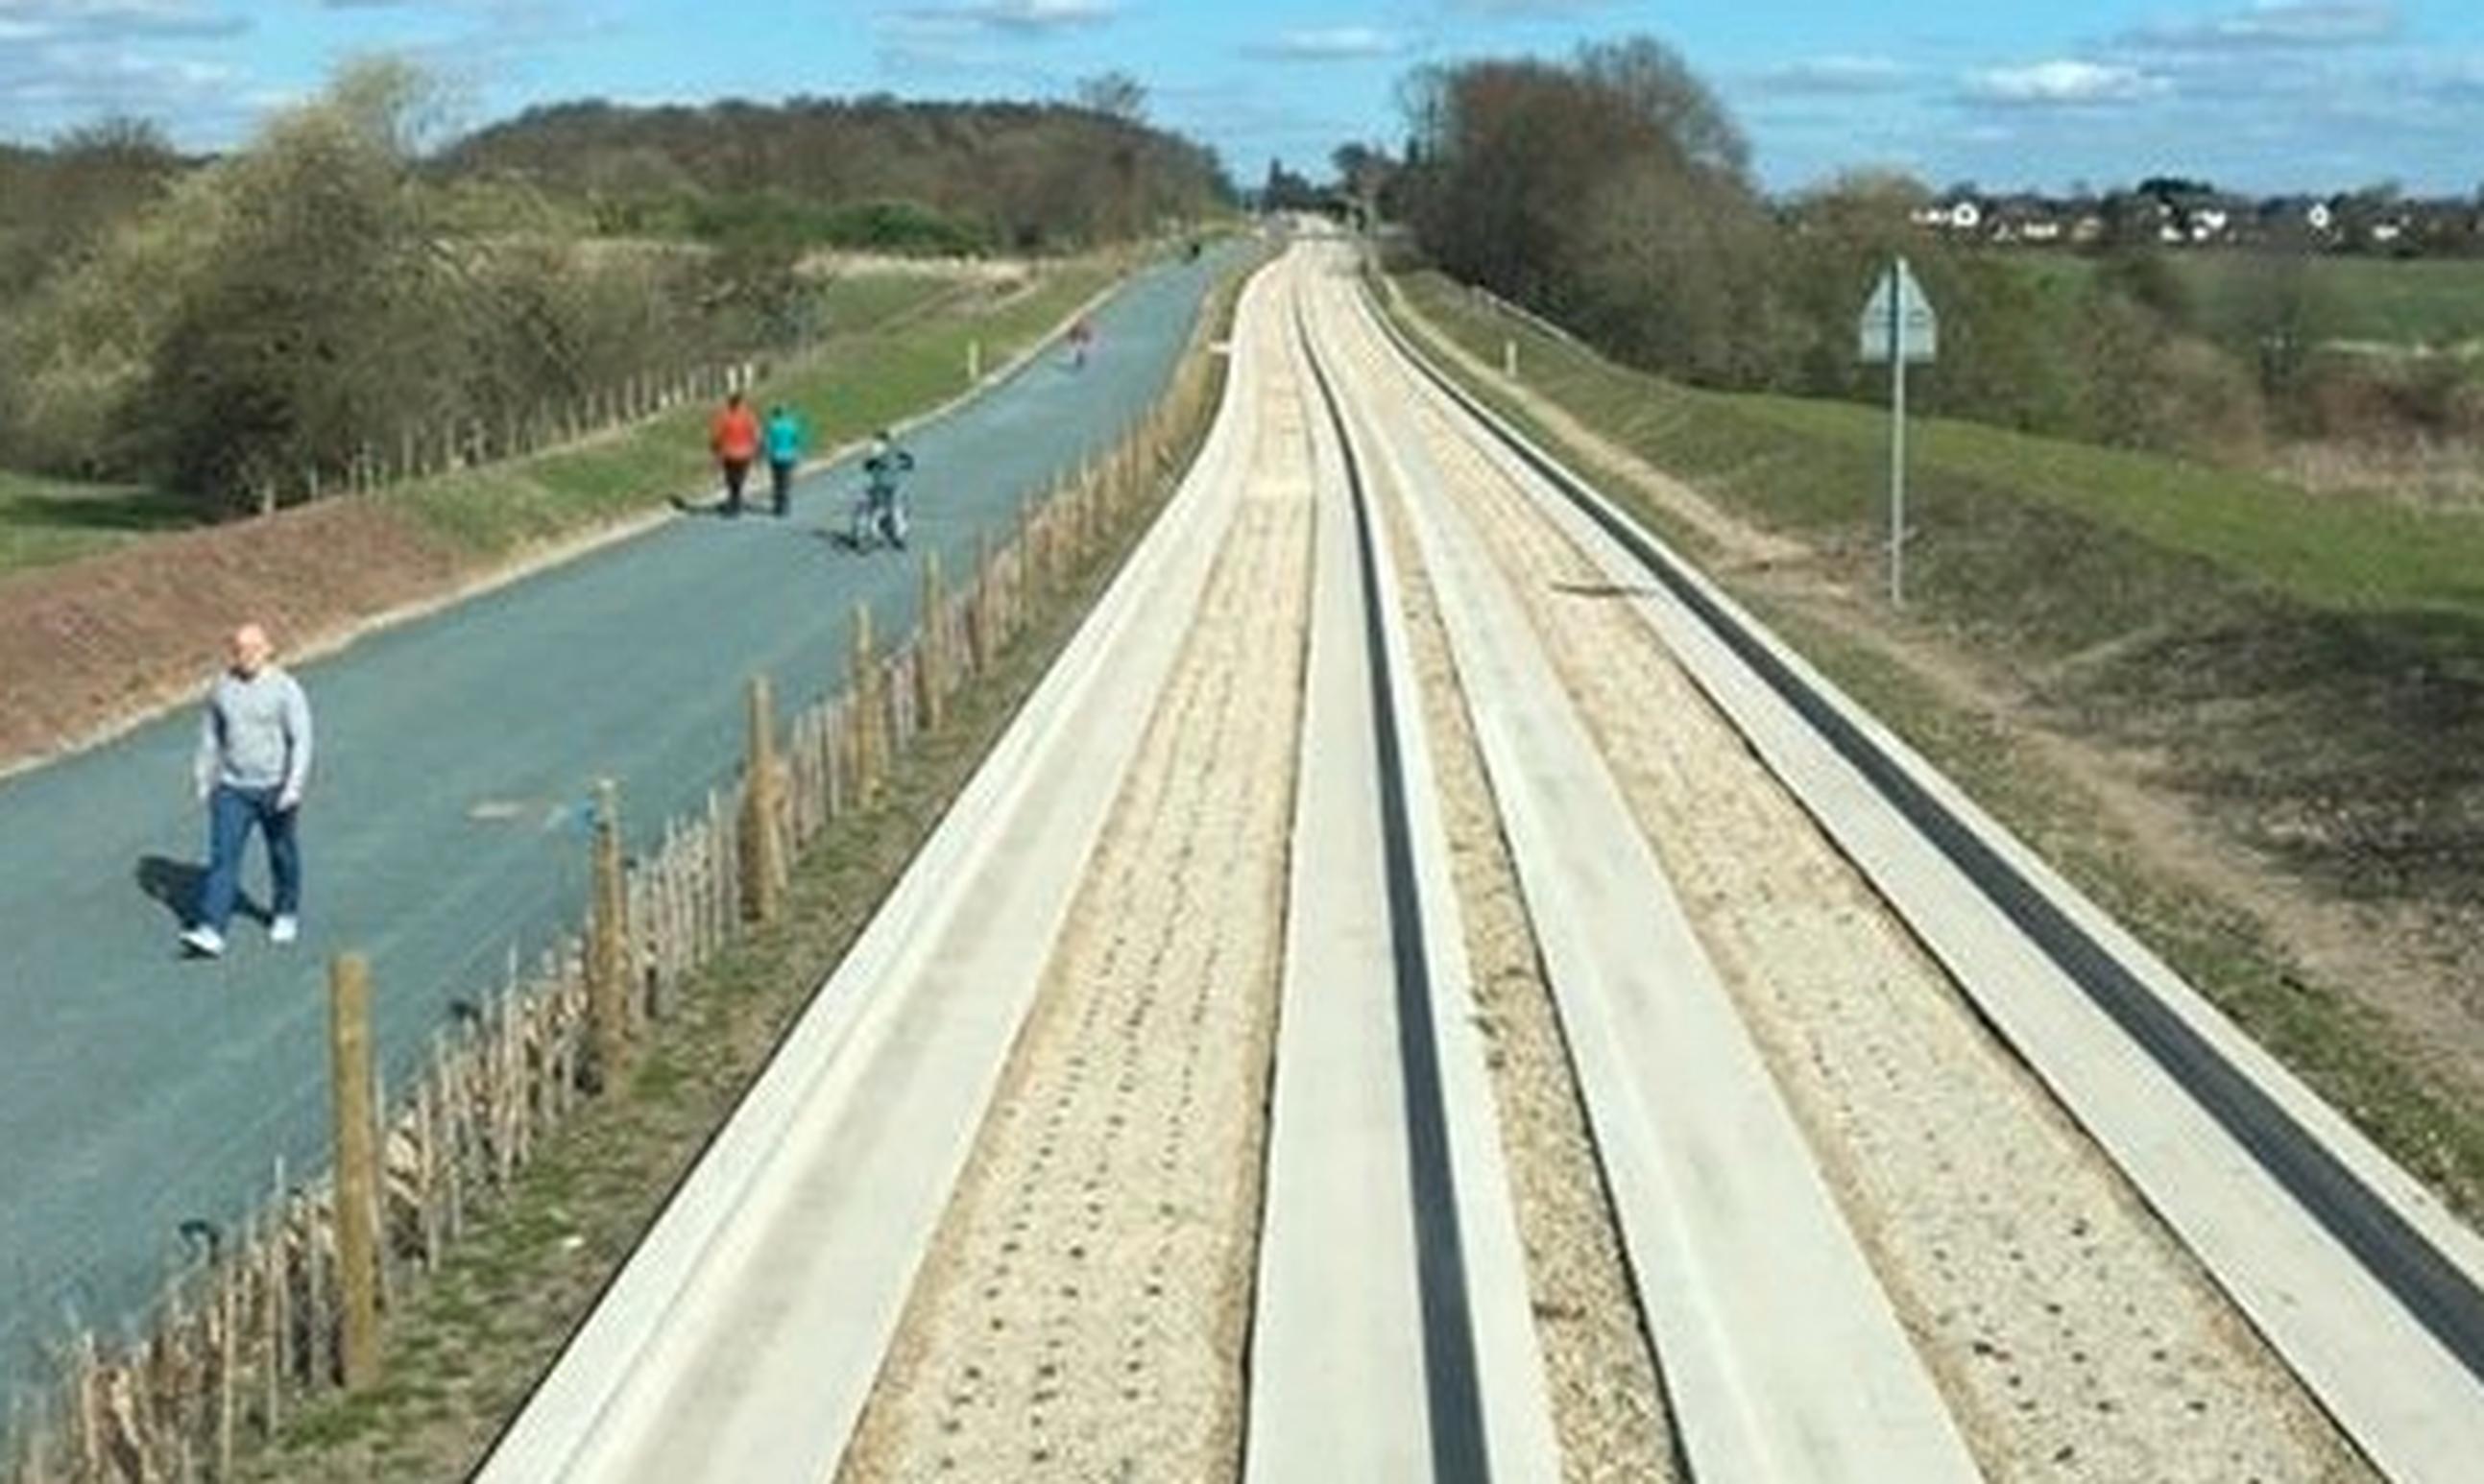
1898, 318
1898, 328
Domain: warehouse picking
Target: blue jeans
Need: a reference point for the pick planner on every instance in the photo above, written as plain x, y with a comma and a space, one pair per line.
230, 814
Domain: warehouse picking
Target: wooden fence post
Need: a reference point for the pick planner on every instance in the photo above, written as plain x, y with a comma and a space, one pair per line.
863, 690
930, 645
349, 1000
763, 855
979, 611
608, 1008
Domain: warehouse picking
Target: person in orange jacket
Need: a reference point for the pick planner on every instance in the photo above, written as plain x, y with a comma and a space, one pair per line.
734, 439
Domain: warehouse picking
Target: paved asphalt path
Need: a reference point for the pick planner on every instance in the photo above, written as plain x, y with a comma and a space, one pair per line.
445, 826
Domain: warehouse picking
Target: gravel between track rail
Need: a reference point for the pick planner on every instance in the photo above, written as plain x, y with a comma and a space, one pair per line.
2073, 1335
1084, 1310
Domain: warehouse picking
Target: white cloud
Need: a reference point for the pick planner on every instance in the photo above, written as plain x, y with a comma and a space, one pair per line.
1836, 75
72, 79
116, 19
1022, 17
1331, 43
2064, 84
1528, 7
2271, 24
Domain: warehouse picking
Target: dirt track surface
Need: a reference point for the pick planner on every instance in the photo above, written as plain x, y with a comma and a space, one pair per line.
1086, 1308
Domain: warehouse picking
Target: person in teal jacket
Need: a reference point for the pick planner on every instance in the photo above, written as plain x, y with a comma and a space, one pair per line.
783, 438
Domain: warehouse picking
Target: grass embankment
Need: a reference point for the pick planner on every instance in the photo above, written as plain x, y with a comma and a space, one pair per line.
2380, 300
46, 521
463, 1355
906, 363
2308, 675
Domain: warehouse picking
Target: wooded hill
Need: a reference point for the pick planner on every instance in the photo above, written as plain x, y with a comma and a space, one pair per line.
874, 172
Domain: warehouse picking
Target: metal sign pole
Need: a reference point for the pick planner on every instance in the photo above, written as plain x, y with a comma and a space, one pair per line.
1897, 437
1898, 326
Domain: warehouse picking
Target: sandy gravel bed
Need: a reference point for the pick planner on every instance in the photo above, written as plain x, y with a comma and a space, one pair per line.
1086, 1308
2072, 1335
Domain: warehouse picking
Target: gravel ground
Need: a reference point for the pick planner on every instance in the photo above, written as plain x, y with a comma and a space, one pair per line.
1608, 1406
2075, 1337
1086, 1309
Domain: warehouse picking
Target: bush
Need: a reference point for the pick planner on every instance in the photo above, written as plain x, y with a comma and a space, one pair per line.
319, 295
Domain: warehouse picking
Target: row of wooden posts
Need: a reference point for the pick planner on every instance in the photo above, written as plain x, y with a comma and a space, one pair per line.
287, 1310
432, 450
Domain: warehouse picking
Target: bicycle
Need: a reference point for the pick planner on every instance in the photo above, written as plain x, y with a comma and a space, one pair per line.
879, 512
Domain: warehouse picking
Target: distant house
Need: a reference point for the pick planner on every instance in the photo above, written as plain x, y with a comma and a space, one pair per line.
2191, 215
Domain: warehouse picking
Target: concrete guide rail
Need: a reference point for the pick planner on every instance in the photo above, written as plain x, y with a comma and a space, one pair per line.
2370, 1291
1391, 1336
1783, 1357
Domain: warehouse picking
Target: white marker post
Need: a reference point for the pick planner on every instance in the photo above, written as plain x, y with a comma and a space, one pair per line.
1898, 328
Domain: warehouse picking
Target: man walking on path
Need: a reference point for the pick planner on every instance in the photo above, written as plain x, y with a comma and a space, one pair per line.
253, 761
734, 439
784, 451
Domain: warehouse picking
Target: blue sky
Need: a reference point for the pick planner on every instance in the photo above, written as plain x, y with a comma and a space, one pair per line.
2253, 94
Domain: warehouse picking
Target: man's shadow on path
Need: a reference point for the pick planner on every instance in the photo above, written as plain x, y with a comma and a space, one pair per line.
177, 884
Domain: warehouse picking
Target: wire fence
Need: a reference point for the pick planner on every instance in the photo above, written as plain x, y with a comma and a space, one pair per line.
426, 451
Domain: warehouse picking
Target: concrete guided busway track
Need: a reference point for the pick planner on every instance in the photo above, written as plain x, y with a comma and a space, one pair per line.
1162, 1126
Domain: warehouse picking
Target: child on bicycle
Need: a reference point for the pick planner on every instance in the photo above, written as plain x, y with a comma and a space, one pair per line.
883, 502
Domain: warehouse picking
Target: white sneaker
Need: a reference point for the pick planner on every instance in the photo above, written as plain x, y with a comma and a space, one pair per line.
284, 930
204, 941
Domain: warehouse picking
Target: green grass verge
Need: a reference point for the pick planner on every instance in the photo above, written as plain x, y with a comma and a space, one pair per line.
46, 521
2323, 699
2422, 301
852, 384
1821, 466
859, 302
896, 345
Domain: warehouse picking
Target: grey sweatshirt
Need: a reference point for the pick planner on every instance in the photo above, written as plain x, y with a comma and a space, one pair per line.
255, 733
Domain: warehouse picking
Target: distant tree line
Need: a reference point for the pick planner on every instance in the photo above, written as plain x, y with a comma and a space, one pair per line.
346, 281
1612, 193
868, 173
